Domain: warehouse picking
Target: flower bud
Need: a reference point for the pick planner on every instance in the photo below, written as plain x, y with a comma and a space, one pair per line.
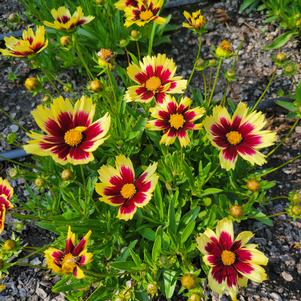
188, 281
194, 297
12, 172
295, 197
289, 68
296, 210
65, 41
99, 2
224, 49
123, 43
280, 57
152, 289
45, 98
230, 75
18, 226
236, 211
66, 174
253, 185
39, 182
200, 64
67, 87
212, 63
13, 18
31, 83
9, 245
207, 201
95, 85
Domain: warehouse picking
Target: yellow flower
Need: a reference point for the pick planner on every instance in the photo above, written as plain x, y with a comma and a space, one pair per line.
195, 20
64, 21
224, 49
145, 12
31, 83
104, 58
31, 43
122, 4
6, 193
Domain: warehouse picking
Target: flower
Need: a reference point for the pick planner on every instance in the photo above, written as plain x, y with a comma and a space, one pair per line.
31, 83
195, 20
188, 281
240, 135
64, 21
175, 120
120, 187
122, 4
224, 49
71, 135
145, 12
155, 78
232, 262
6, 193
31, 43
104, 58
72, 258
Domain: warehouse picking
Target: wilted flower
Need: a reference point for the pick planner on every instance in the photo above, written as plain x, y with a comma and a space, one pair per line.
72, 258
195, 20
120, 187
253, 185
195, 297
71, 135
9, 245
39, 182
145, 12
280, 58
66, 174
240, 135
65, 40
175, 120
155, 78
95, 85
6, 193
232, 261
64, 21
104, 58
236, 211
31, 83
152, 289
188, 281
31, 43
224, 49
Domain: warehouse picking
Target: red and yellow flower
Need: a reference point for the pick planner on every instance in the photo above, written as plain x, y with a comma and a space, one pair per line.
155, 78
64, 21
72, 258
122, 4
175, 120
232, 261
31, 43
195, 21
6, 193
240, 134
144, 12
120, 187
71, 135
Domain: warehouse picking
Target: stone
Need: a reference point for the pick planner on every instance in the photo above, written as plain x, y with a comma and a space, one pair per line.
275, 296
287, 276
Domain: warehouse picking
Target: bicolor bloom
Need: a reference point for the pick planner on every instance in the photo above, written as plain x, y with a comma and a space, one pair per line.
195, 20
155, 79
104, 58
232, 261
72, 258
224, 49
70, 133
146, 11
122, 4
31, 43
175, 120
240, 134
120, 187
64, 21
6, 193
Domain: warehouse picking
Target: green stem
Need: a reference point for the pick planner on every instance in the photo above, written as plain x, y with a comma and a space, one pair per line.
205, 86
277, 214
138, 50
111, 84
215, 81
196, 60
265, 91
151, 39
284, 138
223, 102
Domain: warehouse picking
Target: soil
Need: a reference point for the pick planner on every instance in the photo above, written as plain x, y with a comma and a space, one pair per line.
281, 243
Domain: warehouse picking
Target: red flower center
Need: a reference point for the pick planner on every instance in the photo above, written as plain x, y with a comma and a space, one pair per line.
73, 137
234, 137
176, 120
228, 257
153, 83
128, 190
146, 15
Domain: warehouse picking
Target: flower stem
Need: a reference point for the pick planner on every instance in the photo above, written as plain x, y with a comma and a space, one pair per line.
277, 214
215, 81
138, 50
205, 85
284, 138
111, 84
223, 102
151, 39
265, 91
196, 60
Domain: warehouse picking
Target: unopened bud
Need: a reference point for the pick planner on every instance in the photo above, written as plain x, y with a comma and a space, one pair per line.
18, 226
95, 85
65, 41
281, 57
236, 211
66, 174
207, 201
99, 2
253, 185
67, 87
39, 182
152, 289
188, 281
230, 75
123, 43
45, 98
12, 172
194, 297
296, 210
13, 18
212, 63
31, 83
9, 245
295, 197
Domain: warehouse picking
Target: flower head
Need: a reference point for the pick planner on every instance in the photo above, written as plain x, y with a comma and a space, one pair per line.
120, 187
144, 12
64, 21
104, 58
31, 43
72, 258
6, 193
240, 135
232, 261
175, 120
70, 133
122, 4
155, 78
195, 20
224, 49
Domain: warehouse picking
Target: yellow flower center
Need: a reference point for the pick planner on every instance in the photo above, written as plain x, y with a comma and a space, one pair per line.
73, 137
128, 190
234, 137
153, 83
68, 263
176, 120
105, 54
226, 45
146, 15
228, 257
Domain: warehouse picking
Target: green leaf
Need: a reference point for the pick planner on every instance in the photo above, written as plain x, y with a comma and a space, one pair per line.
211, 191
171, 218
298, 94
287, 105
246, 4
148, 233
281, 40
170, 281
156, 251
187, 231
128, 266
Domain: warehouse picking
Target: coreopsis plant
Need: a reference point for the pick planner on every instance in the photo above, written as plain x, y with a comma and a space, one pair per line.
224, 49
6, 193
30, 44
195, 21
